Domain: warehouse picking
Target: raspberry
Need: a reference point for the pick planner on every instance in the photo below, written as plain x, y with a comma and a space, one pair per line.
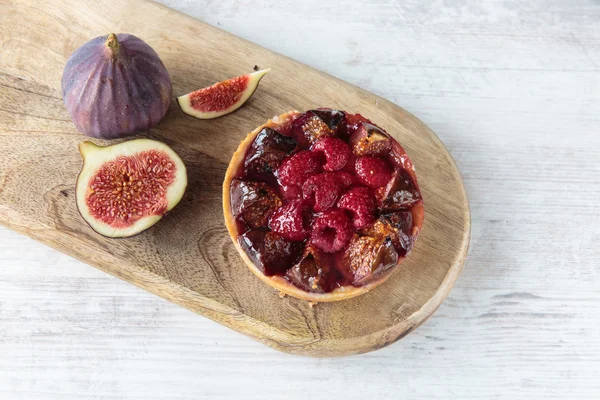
326, 188
298, 168
332, 230
336, 152
291, 221
349, 167
361, 204
373, 171
291, 192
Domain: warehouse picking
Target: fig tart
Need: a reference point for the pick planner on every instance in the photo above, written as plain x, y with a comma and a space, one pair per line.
322, 205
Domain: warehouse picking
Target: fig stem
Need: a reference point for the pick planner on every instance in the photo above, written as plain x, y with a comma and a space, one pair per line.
112, 43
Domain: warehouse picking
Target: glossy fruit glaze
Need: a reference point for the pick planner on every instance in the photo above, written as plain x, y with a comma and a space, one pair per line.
326, 199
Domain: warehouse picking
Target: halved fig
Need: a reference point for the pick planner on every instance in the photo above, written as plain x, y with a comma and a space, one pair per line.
126, 188
221, 98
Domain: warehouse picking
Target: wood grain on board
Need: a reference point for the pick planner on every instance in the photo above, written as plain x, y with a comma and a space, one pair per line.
188, 257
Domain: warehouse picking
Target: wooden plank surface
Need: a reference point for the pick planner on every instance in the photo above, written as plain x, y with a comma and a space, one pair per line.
511, 88
189, 258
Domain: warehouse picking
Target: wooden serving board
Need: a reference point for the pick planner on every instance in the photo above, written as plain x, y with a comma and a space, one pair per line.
188, 257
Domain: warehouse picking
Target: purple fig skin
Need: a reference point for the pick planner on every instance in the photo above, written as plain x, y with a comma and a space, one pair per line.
114, 86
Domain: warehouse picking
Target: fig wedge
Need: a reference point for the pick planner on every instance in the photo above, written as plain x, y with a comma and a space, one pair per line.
222, 98
126, 188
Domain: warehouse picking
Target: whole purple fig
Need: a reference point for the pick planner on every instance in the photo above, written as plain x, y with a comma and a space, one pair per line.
114, 86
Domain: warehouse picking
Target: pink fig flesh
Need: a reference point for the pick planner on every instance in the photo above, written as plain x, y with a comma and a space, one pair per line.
222, 98
125, 188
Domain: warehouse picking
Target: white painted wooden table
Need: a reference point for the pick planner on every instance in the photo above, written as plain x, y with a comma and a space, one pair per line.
513, 89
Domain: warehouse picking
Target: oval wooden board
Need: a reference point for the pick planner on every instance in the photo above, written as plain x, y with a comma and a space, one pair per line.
188, 258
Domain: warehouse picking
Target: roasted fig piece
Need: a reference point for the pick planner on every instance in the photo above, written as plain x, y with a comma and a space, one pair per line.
401, 222
126, 188
222, 98
269, 251
370, 140
253, 202
314, 272
398, 227
400, 193
333, 118
367, 257
267, 152
114, 86
316, 124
